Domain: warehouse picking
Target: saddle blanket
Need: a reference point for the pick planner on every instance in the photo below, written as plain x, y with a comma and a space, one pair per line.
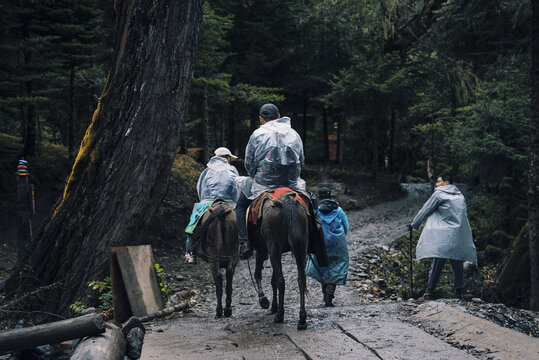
255, 207
199, 210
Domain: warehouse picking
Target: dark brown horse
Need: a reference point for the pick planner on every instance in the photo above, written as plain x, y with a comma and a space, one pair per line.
216, 242
283, 227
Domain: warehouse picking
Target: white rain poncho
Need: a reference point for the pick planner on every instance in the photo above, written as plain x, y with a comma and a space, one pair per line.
218, 181
273, 158
447, 233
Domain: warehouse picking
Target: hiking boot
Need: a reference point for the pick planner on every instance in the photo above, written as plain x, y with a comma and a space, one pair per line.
190, 258
246, 250
459, 294
329, 291
428, 295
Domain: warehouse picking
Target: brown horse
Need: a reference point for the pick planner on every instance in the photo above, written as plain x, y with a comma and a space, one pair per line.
216, 242
283, 227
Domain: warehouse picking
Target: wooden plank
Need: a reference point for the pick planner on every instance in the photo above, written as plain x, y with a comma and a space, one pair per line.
137, 268
315, 345
51, 333
394, 339
203, 338
120, 302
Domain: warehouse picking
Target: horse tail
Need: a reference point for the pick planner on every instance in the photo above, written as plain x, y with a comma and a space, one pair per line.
290, 214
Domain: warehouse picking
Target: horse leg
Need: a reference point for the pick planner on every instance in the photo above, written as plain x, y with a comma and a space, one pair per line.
274, 305
262, 299
218, 280
302, 283
277, 282
229, 275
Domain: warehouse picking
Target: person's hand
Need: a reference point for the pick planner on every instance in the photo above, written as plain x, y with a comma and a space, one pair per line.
410, 227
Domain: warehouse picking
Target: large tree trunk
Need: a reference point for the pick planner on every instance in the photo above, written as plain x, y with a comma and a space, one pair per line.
120, 174
533, 193
71, 115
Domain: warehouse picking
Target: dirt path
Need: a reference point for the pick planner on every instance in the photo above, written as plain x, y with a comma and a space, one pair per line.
350, 330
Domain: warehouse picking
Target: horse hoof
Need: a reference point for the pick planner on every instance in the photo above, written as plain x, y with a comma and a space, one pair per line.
278, 319
273, 310
264, 302
228, 312
302, 326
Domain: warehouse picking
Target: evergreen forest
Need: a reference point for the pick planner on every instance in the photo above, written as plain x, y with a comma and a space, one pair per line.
405, 89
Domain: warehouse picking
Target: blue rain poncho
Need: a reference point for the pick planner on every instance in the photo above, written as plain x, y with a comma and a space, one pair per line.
447, 233
218, 181
335, 226
273, 159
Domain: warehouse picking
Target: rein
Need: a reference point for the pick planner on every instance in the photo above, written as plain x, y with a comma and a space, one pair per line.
251, 274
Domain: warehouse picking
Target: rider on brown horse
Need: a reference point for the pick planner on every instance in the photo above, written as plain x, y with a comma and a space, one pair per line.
273, 159
217, 181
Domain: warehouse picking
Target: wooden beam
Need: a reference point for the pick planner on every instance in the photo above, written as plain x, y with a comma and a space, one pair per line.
51, 333
138, 278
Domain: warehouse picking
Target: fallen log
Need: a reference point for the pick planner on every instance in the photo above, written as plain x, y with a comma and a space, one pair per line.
107, 346
51, 333
164, 312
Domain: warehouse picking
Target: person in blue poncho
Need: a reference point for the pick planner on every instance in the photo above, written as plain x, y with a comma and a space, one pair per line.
217, 182
335, 226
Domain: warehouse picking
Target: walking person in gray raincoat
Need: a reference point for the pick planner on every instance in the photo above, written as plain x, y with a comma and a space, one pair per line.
446, 235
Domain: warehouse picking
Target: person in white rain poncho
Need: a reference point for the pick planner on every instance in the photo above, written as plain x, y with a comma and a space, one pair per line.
217, 182
273, 159
446, 235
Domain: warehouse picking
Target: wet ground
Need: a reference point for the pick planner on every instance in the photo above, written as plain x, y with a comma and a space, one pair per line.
353, 329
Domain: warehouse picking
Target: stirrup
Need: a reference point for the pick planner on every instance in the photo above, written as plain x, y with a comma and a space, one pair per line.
246, 250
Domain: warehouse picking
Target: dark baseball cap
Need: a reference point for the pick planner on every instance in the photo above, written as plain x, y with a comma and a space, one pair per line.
324, 192
269, 112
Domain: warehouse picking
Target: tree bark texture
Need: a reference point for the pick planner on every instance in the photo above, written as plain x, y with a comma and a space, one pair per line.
121, 172
533, 193
71, 116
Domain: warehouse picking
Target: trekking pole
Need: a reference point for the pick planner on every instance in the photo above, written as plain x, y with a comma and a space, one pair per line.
411, 267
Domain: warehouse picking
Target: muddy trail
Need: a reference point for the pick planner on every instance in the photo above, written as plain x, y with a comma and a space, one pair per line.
353, 329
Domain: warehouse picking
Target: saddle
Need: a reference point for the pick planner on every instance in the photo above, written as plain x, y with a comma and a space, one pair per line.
317, 244
254, 212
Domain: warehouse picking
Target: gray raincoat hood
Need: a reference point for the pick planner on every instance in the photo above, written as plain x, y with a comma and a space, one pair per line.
218, 181
447, 233
273, 158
